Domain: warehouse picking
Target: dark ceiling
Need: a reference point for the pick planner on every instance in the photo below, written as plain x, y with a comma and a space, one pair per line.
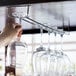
21, 2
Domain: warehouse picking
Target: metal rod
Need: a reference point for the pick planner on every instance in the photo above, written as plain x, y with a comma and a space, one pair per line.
20, 20
28, 21
50, 28
28, 10
24, 20
34, 22
62, 11
68, 24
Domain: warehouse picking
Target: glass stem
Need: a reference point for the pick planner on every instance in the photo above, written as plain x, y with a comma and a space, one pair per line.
48, 40
41, 31
55, 48
61, 42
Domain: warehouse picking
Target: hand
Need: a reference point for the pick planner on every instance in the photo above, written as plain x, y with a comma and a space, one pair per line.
10, 33
18, 28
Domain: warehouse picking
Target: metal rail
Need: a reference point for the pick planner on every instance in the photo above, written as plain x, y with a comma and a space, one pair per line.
45, 27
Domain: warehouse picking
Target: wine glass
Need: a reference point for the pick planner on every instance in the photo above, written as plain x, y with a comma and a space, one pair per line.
64, 64
47, 61
36, 56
